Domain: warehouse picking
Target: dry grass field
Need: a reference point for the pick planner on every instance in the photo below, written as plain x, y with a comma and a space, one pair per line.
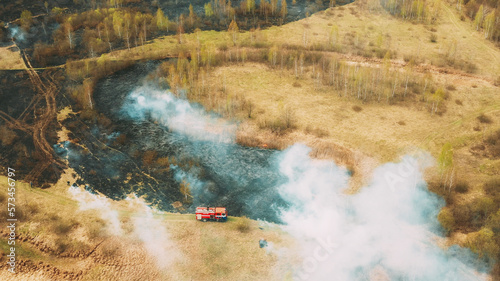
58, 240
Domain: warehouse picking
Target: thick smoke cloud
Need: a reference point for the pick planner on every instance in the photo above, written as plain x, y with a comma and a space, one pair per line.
387, 229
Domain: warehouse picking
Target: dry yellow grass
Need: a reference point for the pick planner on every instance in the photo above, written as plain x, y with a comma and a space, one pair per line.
10, 59
202, 250
374, 130
406, 38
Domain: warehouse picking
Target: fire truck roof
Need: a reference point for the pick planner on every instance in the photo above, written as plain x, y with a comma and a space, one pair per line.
220, 209
211, 209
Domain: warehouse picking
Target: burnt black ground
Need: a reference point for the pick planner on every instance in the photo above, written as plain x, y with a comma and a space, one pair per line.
240, 178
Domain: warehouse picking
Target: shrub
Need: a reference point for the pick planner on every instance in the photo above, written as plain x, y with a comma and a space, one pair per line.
493, 142
320, 133
32, 208
492, 188
61, 245
462, 186
62, 227
481, 209
459, 102
494, 222
497, 82
7, 136
483, 244
357, 108
243, 224
451, 87
284, 122
484, 119
494, 138
446, 219
95, 229
462, 215
109, 250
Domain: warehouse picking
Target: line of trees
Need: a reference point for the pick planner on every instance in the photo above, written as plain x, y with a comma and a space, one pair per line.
414, 10
485, 16
192, 71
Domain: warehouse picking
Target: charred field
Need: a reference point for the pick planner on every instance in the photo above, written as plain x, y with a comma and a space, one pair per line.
111, 160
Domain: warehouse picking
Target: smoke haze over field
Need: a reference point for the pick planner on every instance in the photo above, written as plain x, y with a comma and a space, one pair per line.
223, 172
151, 231
153, 234
387, 231
379, 231
178, 115
89, 201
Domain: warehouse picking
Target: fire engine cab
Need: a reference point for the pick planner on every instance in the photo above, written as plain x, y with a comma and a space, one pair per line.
211, 213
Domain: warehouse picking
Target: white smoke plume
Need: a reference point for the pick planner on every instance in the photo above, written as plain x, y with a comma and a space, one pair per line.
151, 231
17, 34
153, 234
89, 201
387, 231
178, 115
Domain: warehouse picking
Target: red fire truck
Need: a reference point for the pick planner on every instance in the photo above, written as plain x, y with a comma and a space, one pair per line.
211, 213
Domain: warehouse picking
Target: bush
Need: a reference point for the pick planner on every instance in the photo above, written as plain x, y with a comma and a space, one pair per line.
357, 108
243, 224
7, 136
95, 229
483, 244
497, 81
62, 227
320, 133
462, 187
481, 209
484, 119
493, 143
282, 124
446, 219
492, 189
61, 245
494, 222
451, 87
462, 215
